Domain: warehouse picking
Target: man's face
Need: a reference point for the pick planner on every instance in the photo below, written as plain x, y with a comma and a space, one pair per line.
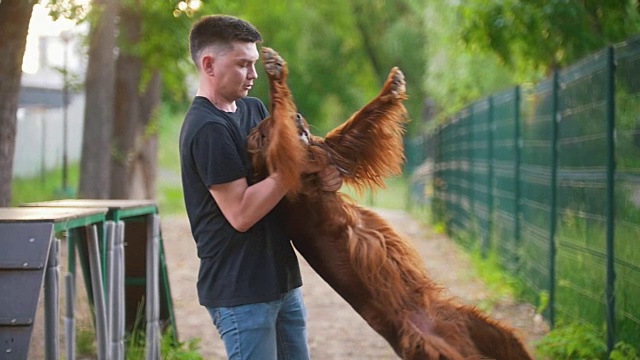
235, 70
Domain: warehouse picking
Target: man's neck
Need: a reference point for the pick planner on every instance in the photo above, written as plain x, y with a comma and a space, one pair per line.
219, 103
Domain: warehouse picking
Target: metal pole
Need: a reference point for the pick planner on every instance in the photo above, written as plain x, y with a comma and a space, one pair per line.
120, 324
152, 313
555, 120
66, 37
43, 149
115, 252
490, 181
98, 292
70, 320
51, 302
471, 171
611, 166
517, 147
111, 281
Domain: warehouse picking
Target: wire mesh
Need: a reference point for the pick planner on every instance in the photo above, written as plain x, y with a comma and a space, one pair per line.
529, 173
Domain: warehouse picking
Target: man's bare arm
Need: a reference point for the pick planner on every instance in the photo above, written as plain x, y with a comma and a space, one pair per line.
243, 205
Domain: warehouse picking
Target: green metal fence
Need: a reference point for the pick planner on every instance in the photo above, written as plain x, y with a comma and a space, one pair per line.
547, 176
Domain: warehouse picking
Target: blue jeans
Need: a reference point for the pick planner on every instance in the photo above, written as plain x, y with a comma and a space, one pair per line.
264, 331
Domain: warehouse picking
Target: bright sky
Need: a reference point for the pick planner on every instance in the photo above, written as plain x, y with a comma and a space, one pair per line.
42, 25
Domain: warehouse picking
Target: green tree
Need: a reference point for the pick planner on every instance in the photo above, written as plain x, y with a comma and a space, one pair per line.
545, 34
337, 65
394, 34
457, 73
126, 78
340, 53
151, 47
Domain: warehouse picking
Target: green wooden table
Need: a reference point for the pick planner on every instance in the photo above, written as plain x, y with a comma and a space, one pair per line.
26, 256
136, 215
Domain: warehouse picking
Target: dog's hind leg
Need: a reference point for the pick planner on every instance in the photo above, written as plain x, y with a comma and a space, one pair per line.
420, 342
492, 339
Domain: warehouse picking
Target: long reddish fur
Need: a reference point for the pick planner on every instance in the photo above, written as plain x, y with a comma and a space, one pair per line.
352, 248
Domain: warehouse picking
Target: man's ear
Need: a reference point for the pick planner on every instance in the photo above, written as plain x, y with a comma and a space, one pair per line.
207, 64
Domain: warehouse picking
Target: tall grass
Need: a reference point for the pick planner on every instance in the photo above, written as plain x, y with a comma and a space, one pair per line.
45, 187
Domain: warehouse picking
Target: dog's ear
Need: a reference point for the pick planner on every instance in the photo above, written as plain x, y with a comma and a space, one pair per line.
369, 146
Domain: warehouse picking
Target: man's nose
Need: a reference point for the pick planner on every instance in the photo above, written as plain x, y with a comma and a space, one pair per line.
253, 74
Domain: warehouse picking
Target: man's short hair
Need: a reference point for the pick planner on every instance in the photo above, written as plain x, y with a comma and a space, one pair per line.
219, 30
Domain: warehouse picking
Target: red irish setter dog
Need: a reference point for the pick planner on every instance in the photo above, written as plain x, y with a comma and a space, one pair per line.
352, 248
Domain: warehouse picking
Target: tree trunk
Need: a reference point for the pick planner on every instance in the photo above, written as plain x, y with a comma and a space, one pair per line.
98, 117
133, 165
14, 26
146, 168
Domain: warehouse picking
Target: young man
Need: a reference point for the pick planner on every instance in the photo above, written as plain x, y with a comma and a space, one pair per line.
249, 279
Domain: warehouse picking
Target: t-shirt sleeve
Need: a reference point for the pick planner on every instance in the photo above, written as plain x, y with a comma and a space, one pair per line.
216, 155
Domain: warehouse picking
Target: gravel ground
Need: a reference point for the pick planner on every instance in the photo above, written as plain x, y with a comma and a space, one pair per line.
335, 330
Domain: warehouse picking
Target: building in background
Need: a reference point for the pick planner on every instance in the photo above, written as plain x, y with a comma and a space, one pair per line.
53, 48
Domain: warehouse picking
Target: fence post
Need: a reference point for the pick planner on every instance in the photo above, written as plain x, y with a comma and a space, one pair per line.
490, 180
555, 119
470, 173
517, 148
611, 275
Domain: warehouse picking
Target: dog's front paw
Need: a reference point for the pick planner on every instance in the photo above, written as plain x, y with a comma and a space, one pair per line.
274, 64
398, 86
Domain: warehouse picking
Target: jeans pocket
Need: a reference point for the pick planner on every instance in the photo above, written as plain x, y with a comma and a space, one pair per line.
215, 315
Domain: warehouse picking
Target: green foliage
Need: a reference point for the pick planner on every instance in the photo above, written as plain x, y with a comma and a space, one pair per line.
624, 351
581, 341
162, 45
573, 341
456, 74
543, 302
69, 9
339, 52
541, 35
333, 70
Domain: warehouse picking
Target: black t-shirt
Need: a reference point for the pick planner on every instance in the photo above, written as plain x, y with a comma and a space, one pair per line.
235, 268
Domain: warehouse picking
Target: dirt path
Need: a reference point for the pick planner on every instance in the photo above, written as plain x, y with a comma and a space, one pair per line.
335, 330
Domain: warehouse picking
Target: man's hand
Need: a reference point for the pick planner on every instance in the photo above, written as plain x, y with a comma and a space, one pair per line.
330, 178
